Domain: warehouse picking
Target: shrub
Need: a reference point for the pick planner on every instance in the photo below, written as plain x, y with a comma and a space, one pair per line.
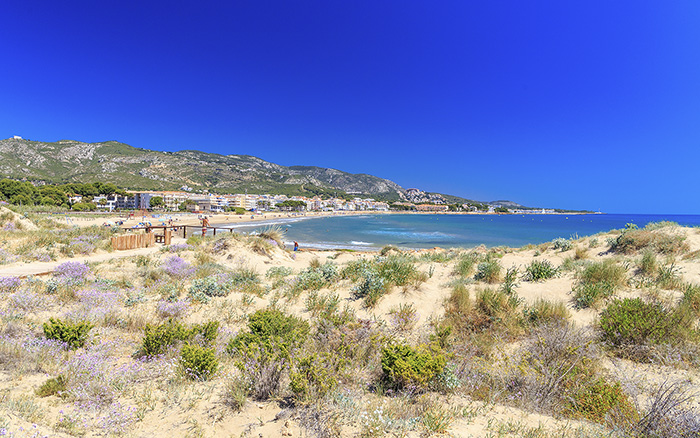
403, 317
53, 386
313, 377
597, 282
489, 271
73, 335
371, 287
539, 270
601, 402
554, 362
315, 277
269, 328
387, 249
635, 322
266, 350
9, 284
198, 363
562, 244
407, 367
157, 339
71, 272
669, 414
177, 267
277, 272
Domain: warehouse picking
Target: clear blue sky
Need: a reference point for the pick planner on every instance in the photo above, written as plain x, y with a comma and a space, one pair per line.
571, 104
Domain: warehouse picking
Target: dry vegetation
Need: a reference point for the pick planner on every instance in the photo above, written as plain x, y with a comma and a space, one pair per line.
238, 336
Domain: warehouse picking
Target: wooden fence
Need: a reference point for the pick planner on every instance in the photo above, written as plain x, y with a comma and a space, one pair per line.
133, 241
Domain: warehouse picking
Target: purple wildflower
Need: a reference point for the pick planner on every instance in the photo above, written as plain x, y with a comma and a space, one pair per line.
9, 284
177, 267
71, 272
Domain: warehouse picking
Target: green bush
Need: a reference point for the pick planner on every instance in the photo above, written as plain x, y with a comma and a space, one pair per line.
601, 402
72, 334
157, 339
198, 363
597, 282
407, 367
371, 287
270, 329
53, 386
539, 270
488, 271
562, 244
634, 322
313, 377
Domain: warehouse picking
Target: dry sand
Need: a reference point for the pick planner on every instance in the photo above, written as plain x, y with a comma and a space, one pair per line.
175, 408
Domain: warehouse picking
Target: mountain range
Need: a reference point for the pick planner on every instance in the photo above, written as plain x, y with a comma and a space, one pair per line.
129, 167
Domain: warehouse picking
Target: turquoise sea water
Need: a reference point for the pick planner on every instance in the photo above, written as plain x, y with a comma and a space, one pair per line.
373, 231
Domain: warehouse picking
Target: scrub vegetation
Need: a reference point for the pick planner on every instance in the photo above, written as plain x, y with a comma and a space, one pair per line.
200, 337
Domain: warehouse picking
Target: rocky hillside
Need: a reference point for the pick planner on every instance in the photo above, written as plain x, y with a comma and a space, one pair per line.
130, 167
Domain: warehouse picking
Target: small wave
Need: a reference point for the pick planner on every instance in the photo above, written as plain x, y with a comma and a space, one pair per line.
265, 223
359, 242
411, 234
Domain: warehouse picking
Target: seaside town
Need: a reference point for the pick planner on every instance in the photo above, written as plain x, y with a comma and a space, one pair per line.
109, 198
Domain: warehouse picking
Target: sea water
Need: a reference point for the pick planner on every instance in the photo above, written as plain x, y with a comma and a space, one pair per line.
373, 231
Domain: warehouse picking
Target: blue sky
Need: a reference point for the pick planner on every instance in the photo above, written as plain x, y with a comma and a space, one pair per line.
581, 104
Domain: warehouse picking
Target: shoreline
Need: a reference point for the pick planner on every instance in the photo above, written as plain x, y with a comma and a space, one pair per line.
193, 219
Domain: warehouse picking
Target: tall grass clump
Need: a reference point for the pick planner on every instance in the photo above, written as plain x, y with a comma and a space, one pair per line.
597, 282
546, 312
656, 237
488, 271
273, 234
539, 270
374, 278
464, 266
648, 264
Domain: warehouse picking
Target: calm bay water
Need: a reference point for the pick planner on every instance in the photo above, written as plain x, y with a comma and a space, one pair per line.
373, 231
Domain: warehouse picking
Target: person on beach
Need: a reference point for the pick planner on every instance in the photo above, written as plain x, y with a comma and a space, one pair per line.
205, 224
296, 246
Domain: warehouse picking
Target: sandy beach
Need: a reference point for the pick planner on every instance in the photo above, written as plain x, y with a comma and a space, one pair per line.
227, 279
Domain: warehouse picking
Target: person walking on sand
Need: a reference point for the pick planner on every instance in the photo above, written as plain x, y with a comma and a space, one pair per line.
205, 224
296, 246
